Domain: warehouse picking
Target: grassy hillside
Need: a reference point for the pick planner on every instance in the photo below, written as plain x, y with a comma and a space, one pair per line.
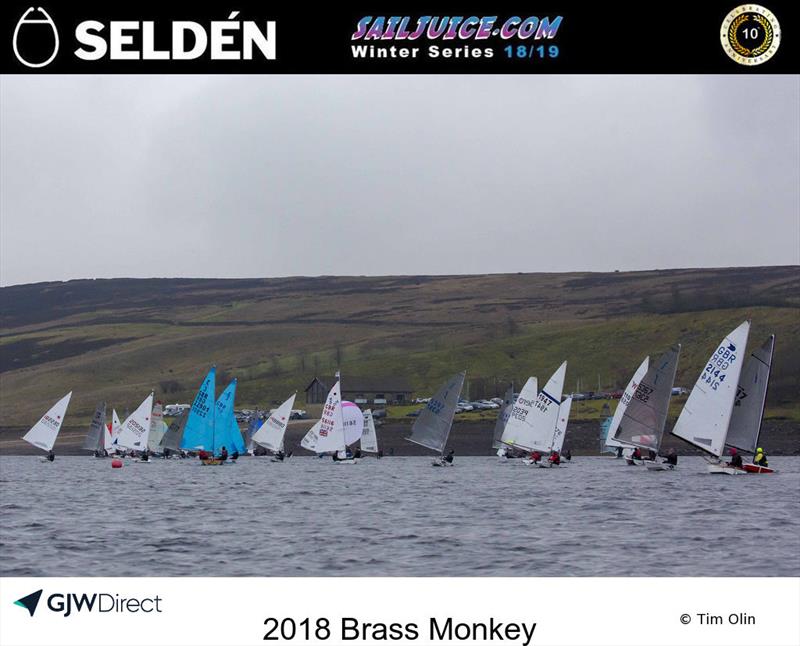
114, 340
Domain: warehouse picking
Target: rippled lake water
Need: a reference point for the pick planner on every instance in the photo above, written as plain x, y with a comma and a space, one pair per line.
396, 516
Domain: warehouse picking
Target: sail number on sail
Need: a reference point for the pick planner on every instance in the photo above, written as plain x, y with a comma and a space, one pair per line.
718, 365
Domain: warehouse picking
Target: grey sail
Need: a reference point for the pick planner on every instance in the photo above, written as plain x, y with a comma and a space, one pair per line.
502, 418
432, 427
748, 407
172, 438
643, 422
95, 438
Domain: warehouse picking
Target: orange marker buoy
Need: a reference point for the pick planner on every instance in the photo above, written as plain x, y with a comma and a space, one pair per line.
116, 464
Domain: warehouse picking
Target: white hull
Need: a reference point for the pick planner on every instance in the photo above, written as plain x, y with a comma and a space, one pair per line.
529, 462
724, 469
660, 466
346, 461
440, 463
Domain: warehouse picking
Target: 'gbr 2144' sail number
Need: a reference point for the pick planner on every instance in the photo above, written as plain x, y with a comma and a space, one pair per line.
717, 367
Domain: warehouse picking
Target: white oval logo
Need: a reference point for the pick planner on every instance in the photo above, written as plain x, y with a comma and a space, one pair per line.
47, 20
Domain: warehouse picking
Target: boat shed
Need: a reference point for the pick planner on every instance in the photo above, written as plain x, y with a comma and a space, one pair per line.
362, 390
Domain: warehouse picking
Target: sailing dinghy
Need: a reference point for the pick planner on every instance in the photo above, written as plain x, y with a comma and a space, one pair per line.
96, 438
271, 433
644, 416
369, 438
532, 422
504, 452
432, 427
611, 445
210, 423
135, 430
331, 431
711, 414
44, 433
158, 429
559, 434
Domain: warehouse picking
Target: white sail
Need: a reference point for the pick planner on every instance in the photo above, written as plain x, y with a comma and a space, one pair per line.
353, 420
533, 421
271, 433
643, 421
135, 430
748, 408
432, 428
115, 427
157, 428
705, 417
502, 418
43, 434
518, 429
96, 437
331, 429
309, 441
108, 438
561, 424
627, 395
369, 439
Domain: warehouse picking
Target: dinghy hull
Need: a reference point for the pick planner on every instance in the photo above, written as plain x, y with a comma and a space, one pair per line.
660, 466
725, 469
754, 468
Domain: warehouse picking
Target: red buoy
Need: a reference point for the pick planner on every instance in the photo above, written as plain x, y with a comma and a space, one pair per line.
116, 464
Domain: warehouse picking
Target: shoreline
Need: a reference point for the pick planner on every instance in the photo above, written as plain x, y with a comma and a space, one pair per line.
778, 437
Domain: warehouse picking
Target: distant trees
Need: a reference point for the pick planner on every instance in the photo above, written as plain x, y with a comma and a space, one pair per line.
170, 386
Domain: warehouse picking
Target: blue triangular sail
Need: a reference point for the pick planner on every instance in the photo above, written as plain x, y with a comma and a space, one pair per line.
226, 432
199, 430
605, 426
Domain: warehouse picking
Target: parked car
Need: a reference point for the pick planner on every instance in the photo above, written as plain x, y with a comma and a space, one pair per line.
414, 413
378, 414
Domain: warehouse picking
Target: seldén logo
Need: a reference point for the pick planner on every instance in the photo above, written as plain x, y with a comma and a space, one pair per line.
36, 40
69, 603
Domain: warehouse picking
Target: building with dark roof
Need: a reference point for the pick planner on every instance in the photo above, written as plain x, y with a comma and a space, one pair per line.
361, 390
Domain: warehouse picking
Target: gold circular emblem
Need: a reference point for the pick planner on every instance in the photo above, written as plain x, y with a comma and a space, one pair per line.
750, 34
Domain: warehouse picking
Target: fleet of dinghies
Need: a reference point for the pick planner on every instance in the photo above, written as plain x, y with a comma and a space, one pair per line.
724, 409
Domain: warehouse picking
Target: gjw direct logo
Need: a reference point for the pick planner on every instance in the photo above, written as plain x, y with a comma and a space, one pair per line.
69, 603
36, 40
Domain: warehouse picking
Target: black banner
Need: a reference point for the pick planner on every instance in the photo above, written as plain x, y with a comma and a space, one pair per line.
380, 38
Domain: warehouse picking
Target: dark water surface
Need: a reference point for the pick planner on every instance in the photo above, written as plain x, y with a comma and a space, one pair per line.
396, 516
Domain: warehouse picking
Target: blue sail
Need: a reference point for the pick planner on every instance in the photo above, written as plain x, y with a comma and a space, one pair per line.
199, 430
226, 431
605, 426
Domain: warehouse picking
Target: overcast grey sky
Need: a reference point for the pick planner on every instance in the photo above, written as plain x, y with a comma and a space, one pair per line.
273, 175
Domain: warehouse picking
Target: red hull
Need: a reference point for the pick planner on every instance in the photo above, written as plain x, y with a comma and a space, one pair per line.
754, 468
